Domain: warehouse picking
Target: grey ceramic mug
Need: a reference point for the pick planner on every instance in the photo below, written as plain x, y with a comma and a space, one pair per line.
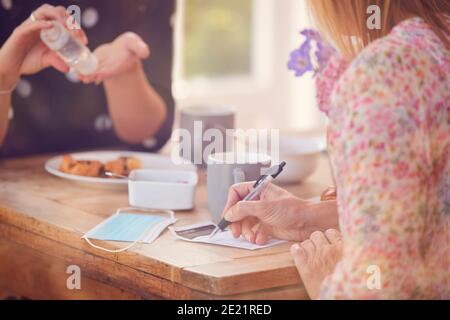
227, 169
198, 120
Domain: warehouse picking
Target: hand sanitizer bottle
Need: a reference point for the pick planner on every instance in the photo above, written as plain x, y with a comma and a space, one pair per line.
72, 51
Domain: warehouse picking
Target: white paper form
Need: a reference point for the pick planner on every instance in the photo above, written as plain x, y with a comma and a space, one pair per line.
200, 233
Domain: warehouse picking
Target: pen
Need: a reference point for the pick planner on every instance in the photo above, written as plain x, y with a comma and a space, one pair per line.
258, 187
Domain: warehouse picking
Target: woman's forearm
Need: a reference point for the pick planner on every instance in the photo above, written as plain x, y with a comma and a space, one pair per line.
7, 82
136, 108
320, 216
5, 105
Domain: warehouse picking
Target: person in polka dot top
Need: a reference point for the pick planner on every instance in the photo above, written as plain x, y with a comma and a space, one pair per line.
47, 108
387, 96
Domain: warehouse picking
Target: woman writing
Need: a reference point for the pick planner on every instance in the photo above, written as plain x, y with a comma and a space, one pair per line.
389, 143
42, 110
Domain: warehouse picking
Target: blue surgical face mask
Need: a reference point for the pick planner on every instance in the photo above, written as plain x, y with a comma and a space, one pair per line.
131, 225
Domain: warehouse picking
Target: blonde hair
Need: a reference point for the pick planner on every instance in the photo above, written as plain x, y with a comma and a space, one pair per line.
345, 21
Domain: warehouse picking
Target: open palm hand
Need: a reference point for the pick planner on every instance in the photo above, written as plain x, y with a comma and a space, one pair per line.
118, 57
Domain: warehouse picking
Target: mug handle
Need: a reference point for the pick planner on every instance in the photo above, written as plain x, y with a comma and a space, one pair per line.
239, 175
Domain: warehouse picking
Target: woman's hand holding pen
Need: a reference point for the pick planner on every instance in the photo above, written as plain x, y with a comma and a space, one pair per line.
276, 213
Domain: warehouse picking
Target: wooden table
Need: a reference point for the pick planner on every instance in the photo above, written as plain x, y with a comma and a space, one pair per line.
42, 219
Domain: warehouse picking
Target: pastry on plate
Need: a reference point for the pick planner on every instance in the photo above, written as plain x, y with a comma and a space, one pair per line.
85, 168
123, 166
96, 169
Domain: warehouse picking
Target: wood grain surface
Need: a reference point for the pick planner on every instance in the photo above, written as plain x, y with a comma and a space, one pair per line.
42, 219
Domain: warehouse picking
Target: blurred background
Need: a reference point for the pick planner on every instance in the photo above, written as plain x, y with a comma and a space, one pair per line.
235, 52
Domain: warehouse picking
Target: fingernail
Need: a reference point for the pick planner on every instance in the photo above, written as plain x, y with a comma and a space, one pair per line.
295, 248
298, 253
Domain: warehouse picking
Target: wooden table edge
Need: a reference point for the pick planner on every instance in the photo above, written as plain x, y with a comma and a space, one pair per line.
212, 286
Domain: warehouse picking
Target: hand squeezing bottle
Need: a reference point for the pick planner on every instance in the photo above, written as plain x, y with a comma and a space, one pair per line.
72, 51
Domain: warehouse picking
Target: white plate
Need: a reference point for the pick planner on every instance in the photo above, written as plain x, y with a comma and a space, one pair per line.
149, 161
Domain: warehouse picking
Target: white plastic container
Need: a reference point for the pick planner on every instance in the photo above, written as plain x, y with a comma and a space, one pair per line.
162, 189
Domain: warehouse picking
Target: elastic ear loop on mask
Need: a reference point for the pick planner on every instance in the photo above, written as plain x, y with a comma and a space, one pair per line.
138, 240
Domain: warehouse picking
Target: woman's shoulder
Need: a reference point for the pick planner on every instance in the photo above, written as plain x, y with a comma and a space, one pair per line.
411, 49
401, 65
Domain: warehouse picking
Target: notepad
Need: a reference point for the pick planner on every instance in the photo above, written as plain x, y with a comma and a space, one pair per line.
200, 233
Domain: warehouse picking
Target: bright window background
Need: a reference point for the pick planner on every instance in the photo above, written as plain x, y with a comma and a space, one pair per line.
235, 52
217, 38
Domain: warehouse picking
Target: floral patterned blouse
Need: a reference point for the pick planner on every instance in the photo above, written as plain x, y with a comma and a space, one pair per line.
389, 138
